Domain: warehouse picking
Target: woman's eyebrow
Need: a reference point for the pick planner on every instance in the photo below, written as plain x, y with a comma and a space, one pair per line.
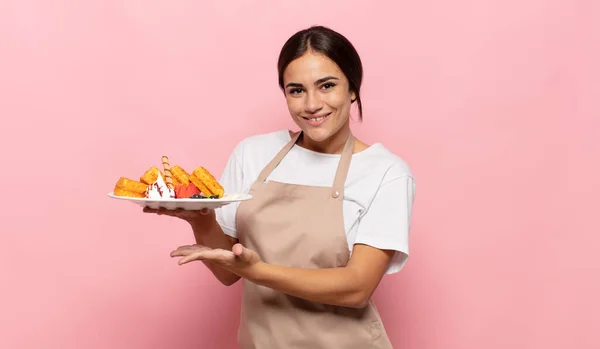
293, 84
321, 80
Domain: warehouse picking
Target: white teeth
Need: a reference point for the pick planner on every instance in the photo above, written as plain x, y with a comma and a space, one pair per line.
318, 119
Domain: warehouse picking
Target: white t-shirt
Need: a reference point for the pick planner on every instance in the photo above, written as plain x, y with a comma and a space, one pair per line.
378, 194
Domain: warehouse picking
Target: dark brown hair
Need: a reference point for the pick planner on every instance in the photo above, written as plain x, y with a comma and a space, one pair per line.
331, 44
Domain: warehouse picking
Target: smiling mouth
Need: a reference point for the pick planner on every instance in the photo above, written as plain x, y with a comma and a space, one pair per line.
316, 118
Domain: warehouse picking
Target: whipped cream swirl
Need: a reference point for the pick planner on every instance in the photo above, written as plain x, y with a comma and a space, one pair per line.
159, 190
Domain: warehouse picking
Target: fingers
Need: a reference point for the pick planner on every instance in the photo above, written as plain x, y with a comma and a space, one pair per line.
240, 251
147, 209
163, 211
178, 212
237, 249
198, 252
188, 249
191, 257
173, 213
205, 255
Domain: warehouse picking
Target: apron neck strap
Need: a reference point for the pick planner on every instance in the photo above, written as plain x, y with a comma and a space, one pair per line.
343, 166
277, 159
341, 172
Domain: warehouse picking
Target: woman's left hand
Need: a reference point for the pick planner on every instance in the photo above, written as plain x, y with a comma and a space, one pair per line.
240, 260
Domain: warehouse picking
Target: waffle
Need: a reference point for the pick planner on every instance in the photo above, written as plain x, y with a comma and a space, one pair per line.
206, 182
130, 187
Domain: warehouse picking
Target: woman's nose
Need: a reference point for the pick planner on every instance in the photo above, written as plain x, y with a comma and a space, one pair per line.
313, 103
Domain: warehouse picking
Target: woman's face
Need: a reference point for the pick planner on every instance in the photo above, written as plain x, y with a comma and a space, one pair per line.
318, 96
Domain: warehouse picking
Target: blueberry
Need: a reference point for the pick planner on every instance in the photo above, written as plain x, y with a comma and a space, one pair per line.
197, 196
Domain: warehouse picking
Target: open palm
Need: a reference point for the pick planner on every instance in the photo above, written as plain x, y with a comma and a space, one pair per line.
240, 260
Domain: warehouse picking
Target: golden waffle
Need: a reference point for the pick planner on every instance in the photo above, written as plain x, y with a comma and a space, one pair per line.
124, 192
151, 175
206, 182
180, 175
129, 187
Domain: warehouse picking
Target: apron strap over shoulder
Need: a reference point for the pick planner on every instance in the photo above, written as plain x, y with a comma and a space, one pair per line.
342, 170
277, 159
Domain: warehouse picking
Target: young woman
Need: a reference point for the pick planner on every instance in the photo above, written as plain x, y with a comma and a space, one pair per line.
330, 215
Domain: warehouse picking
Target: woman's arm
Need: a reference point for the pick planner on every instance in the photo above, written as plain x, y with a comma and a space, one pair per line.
208, 232
350, 286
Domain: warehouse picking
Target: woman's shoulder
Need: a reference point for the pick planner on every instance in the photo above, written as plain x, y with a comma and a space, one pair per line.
379, 158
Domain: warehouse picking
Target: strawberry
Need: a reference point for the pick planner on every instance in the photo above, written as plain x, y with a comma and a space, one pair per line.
179, 191
191, 190
183, 191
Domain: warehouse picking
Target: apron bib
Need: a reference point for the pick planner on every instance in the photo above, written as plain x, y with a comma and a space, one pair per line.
300, 226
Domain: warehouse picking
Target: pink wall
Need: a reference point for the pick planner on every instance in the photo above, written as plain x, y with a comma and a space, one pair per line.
493, 103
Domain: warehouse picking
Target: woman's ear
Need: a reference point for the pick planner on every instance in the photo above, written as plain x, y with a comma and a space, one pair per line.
352, 97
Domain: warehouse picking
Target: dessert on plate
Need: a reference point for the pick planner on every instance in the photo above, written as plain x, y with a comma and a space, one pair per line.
171, 183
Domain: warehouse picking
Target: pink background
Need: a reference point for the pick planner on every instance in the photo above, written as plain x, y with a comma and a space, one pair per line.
493, 103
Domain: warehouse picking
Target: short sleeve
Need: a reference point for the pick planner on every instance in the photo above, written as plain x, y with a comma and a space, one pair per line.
232, 180
386, 222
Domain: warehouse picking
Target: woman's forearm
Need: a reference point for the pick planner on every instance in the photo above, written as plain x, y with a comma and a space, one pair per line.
334, 286
209, 233
349, 286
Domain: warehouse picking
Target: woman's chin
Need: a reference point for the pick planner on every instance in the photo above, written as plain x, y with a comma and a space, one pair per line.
317, 135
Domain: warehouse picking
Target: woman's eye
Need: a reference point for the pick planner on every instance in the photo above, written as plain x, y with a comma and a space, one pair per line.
328, 85
295, 91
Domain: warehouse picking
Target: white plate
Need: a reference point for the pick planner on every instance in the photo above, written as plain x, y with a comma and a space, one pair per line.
186, 204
